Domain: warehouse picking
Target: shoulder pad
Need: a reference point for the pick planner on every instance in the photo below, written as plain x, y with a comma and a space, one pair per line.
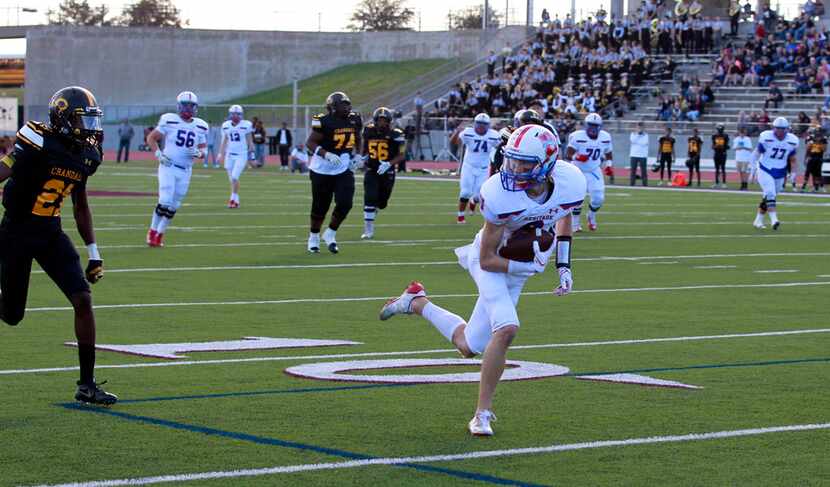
569, 184
792, 139
200, 124
169, 118
226, 124
317, 120
32, 134
498, 203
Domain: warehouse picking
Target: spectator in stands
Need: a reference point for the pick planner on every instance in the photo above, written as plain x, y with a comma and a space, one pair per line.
5, 145
802, 124
774, 96
260, 139
125, 138
491, 64
284, 143
299, 159
763, 121
638, 153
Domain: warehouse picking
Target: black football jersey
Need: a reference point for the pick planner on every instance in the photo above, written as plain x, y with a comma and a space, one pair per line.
382, 146
816, 145
339, 134
46, 170
720, 142
695, 143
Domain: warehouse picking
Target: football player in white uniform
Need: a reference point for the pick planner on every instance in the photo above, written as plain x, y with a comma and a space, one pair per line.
184, 138
591, 150
776, 152
531, 189
236, 150
480, 140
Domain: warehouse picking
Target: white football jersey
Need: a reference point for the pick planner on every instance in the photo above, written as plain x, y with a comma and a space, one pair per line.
237, 136
515, 209
479, 147
593, 151
775, 153
182, 138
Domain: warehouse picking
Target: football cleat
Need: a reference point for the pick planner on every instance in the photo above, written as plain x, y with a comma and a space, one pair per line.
330, 238
592, 226
233, 204
577, 228
368, 230
367, 236
151, 236
461, 220
157, 240
314, 243
776, 225
93, 394
480, 424
759, 226
402, 304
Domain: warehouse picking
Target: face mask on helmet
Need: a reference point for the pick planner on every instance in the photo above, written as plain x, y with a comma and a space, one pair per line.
521, 175
481, 127
236, 117
592, 129
187, 109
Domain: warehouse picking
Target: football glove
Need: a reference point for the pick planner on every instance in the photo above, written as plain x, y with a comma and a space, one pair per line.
608, 171
536, 266
94, 270
251, 155
332, 159
383, 167
355, 162
162, 158
195, 153
566, 282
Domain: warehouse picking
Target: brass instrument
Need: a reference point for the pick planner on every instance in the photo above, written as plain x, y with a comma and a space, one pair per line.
734, 8
655, 27
680, 8
695, 8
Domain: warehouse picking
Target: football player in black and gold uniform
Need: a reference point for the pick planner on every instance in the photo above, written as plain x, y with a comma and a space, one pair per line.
695, 143
51, 162
383, 149
334, 140
720, 143
813, 158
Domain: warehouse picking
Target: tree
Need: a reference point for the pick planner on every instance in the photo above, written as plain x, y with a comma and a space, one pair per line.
470, 18
152, 13
78, 12
381, 15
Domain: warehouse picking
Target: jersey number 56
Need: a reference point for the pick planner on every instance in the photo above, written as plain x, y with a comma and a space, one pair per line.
185, 138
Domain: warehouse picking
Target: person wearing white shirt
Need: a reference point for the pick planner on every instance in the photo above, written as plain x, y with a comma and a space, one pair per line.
743, 156
299, 159
639, 154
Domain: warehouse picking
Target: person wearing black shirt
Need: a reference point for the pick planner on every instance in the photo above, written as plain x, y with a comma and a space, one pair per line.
693, 159
666, 144
720, 144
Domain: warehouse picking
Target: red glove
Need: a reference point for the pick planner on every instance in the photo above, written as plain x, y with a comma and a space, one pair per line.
608, 171
581, 157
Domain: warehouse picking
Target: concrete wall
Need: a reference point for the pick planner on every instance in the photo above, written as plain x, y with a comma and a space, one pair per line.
134, 66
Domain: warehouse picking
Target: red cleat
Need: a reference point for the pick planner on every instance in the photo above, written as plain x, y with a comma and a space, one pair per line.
151, 237
157, 240
592, 227
461, 219
233, 204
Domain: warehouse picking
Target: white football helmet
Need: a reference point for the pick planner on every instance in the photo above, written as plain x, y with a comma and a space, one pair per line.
187, 104
235, 109
593, 124
780, 126
529, 156
482, 123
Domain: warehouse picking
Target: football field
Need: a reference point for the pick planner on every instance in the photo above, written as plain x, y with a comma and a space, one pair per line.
726, 325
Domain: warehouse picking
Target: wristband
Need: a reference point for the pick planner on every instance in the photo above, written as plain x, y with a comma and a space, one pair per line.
317, 150
92, 251
563, 251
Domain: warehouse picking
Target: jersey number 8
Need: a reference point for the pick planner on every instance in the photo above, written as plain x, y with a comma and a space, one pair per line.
378, 150
185, 138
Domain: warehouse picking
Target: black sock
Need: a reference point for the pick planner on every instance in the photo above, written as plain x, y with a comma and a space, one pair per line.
86, 358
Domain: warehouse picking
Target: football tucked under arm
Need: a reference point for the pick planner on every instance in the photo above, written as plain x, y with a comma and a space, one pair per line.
519, 245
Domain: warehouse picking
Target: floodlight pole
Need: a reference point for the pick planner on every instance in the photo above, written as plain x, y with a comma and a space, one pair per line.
295, 95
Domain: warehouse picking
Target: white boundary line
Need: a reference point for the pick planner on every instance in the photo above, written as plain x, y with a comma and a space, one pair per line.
422, 352
587, 445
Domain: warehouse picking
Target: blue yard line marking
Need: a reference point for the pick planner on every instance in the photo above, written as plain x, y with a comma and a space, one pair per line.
261, 393
708, 366
262, 440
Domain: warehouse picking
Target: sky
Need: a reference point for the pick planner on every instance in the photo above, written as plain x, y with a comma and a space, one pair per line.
328, 15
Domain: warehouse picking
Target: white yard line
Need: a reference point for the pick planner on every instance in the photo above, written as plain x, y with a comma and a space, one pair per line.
669, 262
776, 271
383, 298
658, 258
472, 455
423, 352
715, 267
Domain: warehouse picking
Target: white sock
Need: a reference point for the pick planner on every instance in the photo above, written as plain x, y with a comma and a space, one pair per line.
369, 226
164, 221
444, 321
773, 217
575, 220
235, 197
759, 219
154, 224
460, 213
330, 234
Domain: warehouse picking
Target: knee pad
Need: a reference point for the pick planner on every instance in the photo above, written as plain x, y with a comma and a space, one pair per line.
577, 211
165, 211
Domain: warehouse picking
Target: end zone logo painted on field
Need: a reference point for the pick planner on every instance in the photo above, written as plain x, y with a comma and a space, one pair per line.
516, 370
336, 371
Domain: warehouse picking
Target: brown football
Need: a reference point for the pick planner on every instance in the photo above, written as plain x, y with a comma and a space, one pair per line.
519, 245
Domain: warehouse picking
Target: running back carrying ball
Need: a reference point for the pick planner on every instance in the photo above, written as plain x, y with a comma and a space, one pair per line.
519, 245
